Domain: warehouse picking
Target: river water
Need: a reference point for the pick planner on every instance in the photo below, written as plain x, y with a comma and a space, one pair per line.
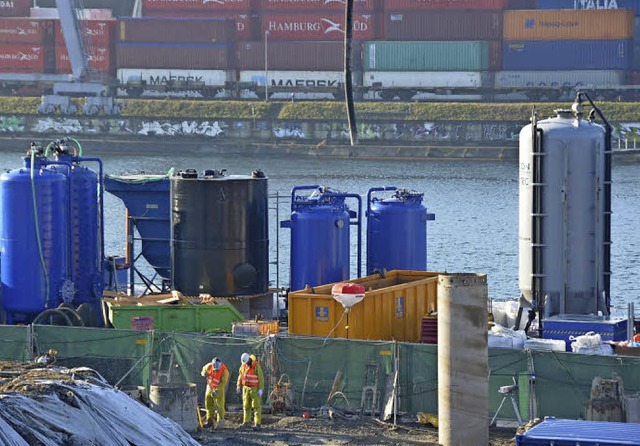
475, 203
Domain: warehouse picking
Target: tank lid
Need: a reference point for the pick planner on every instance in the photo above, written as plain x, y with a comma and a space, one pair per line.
189, 173
212, 173
563, 113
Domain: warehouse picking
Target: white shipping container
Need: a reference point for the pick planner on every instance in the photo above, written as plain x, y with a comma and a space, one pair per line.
426, 79
159, 77
582, 78
83, 14
294, 79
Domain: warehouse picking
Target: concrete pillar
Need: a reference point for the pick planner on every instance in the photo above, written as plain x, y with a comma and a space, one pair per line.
463, 362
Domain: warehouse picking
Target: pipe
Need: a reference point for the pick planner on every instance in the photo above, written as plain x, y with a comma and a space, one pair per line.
297, 188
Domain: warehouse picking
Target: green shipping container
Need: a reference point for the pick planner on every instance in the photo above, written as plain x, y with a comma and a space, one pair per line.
426, 56
188, 318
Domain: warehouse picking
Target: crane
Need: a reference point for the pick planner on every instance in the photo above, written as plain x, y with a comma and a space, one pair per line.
79, 82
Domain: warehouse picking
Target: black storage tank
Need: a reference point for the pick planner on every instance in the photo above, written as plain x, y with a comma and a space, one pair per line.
219, 233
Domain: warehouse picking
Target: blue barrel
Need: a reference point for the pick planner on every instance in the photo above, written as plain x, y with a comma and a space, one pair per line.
320, 237
33, 244
86, 252
396, 231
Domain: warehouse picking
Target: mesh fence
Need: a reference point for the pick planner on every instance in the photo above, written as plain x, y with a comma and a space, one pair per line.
317, 368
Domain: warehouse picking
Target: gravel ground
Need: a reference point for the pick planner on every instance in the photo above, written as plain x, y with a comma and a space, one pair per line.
321, 430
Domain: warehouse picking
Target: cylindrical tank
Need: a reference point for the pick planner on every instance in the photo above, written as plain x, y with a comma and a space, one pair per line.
463, 365
176, 401
33, 240
320, 237
561, 215
396, 231
86, 271
219, 233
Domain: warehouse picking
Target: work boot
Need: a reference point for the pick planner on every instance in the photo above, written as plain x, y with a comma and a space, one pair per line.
243, 426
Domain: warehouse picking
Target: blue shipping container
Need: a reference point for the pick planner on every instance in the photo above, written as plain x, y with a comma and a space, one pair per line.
579, 432
589, 4
566, 325
567, 55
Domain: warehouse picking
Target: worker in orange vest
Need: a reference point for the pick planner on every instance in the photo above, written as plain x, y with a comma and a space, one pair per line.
217, 379
251, 384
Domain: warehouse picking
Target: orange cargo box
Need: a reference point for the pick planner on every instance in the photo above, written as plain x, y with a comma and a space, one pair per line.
568, 24
392, 308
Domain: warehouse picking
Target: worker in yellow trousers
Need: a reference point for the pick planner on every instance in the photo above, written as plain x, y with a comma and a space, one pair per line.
217, 375
251, 384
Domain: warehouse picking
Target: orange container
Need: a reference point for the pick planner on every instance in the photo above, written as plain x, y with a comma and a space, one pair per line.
568, 24
393, 308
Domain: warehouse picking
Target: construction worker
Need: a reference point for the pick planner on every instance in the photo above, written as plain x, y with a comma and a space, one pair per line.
251, 384
217, 378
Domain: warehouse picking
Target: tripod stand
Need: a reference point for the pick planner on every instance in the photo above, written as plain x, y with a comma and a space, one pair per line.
509, 392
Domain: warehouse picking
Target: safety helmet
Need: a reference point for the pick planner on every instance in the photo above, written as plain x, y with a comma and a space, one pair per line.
253, 358
215, 363
245, 358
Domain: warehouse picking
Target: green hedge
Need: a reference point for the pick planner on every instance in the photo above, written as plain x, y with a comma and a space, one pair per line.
335, 111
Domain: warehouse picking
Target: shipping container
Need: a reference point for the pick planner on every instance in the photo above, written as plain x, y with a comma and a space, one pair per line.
247, 25
588, 4
315, 5
575, 79
188, 57
392, 308
568, 25
164, 77
14, 8
426, 56
567, 55
633, 78
442, 25
426, 79
522, 4
294, 56
317, 26
25, 30
22, 58
497, 5
98, 32
176, 30
635, 57
294, 79
495, 55
82, 14
245, 6
100, 59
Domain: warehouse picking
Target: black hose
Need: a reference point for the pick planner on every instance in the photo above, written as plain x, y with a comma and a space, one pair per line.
52, 312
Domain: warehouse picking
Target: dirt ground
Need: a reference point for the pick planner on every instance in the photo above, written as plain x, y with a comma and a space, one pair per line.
297, 431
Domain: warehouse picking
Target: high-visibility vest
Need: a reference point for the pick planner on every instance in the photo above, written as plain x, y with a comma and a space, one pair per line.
214, 376
248, 375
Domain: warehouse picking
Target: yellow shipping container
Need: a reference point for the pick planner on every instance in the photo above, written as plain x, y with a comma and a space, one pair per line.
392, 308
568, 24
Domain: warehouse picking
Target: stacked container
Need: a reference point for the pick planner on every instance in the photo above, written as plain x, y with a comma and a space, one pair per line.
26, 45
99, 41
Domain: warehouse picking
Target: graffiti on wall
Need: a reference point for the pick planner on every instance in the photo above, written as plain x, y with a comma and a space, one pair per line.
289, 130
11, 124
83, 126
184, 128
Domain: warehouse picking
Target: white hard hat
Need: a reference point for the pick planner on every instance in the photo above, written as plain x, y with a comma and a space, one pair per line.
245, 358
215, 363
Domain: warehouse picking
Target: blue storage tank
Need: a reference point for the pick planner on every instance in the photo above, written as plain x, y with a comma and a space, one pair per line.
146, 198
396, 231
34, 244
567, 55
320, 236
86, 238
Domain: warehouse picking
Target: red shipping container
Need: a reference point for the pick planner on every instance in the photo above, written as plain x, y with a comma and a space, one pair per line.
497, 5
99, 32
188, 57
198, 5
15, 8
100, 59
247, 25
25, 30
442, 25
176, 30
294, 56
317, 26
495, 55
21, 58
315, 5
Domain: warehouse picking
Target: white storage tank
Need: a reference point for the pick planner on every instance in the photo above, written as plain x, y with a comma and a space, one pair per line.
564, 215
